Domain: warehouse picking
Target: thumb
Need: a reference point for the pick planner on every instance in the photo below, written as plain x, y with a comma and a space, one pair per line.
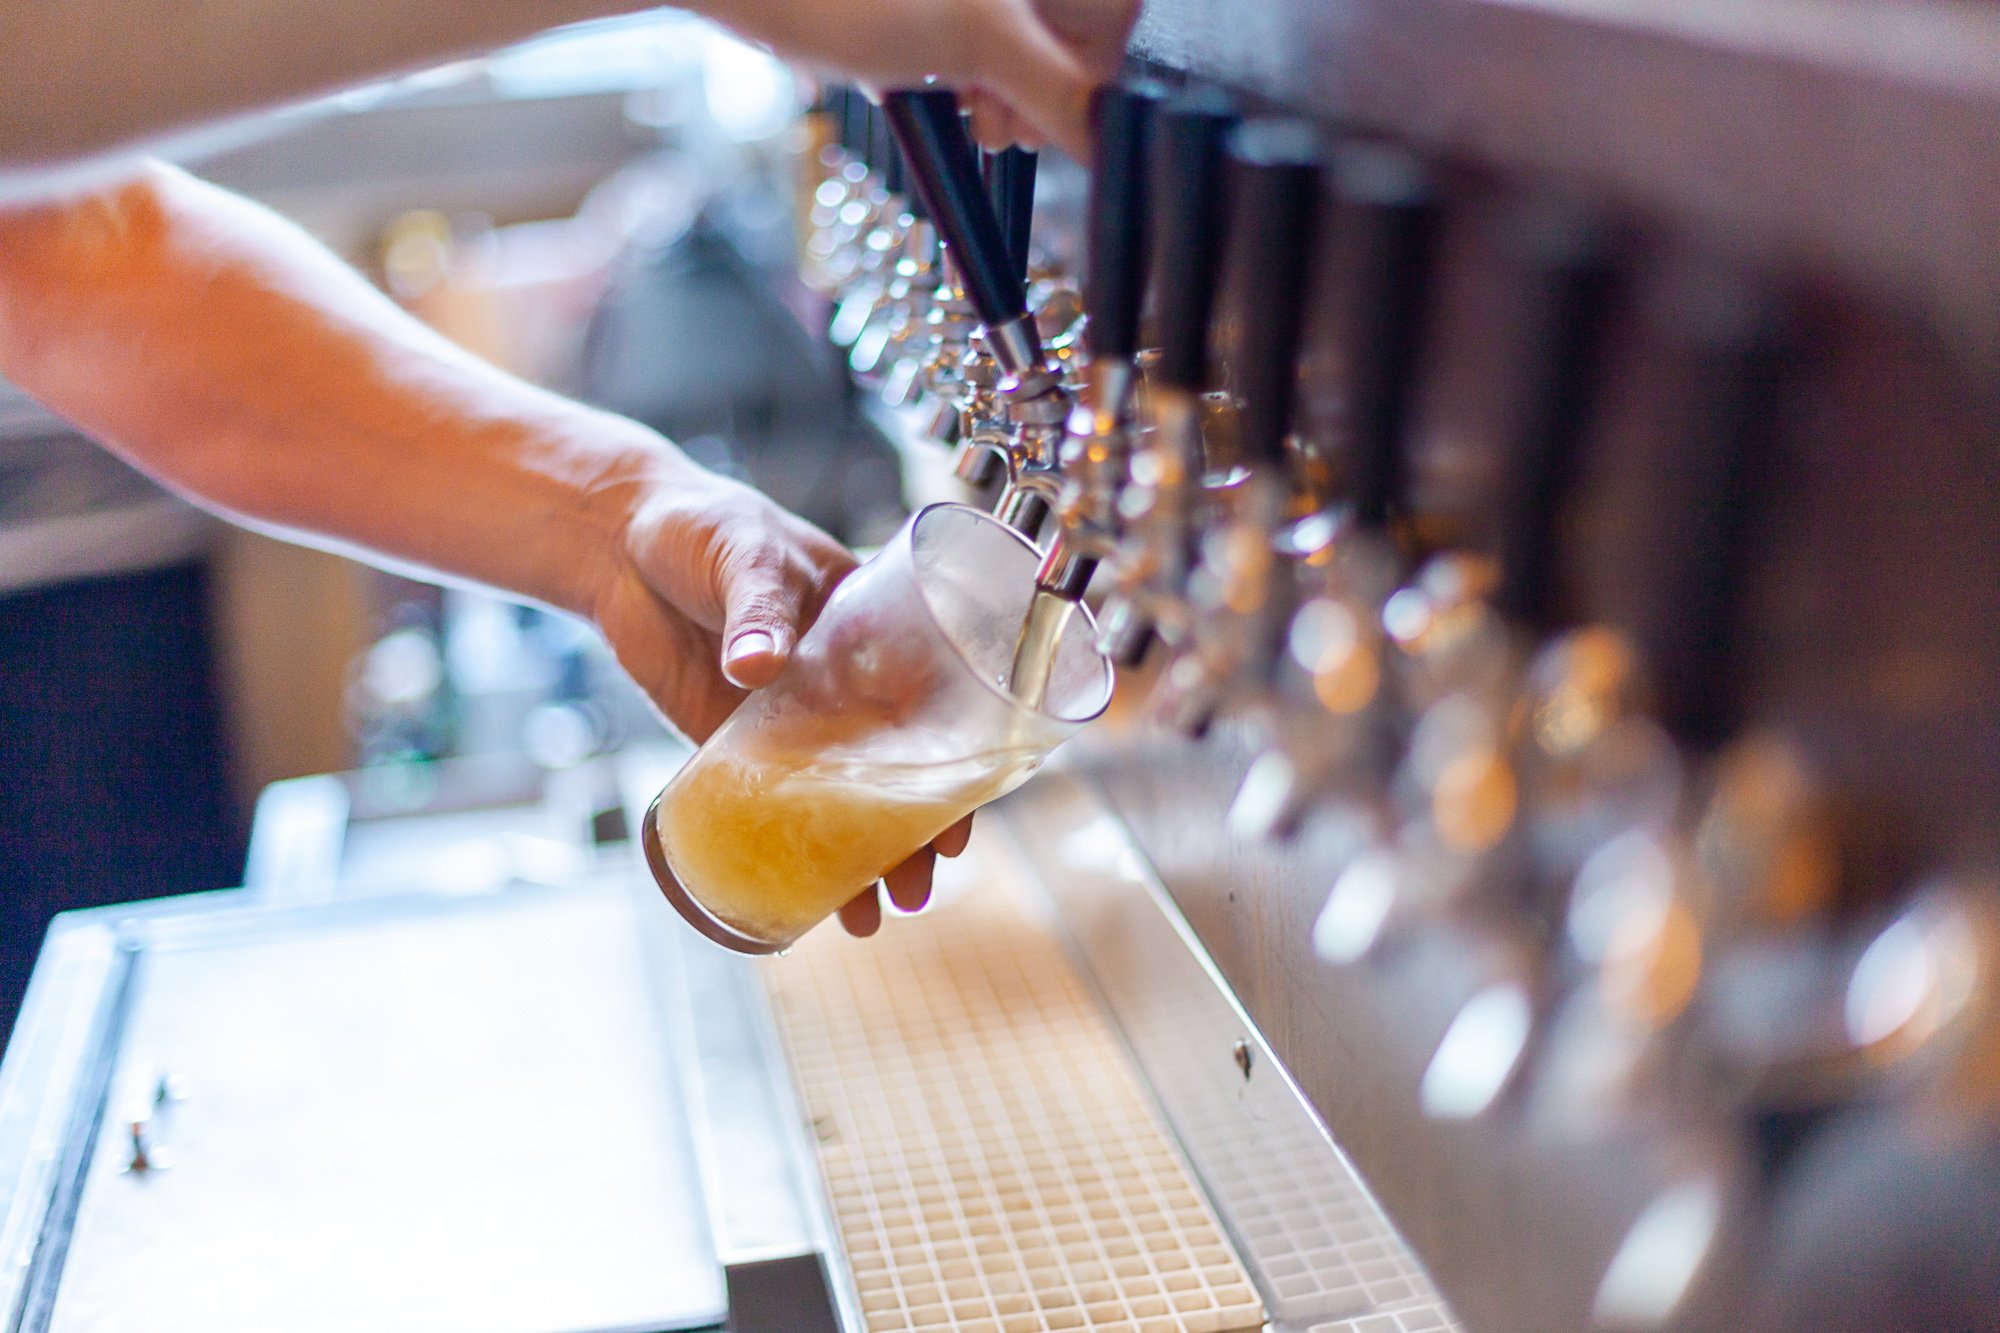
762, 610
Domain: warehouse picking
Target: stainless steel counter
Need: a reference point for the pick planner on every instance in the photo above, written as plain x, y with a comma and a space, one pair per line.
422, 1112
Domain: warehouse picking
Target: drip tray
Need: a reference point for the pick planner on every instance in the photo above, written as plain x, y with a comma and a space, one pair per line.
1038, 1108
993, 1162
402, 1114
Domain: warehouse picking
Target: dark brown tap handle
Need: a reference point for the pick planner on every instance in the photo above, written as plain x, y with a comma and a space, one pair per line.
1010, 183
1274, 185
945, 171
1386, 196
1115, 240
1189, 222
1742, 369
1573, 261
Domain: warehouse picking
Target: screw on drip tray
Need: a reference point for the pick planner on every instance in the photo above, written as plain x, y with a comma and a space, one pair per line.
145, 1155
1245, 1058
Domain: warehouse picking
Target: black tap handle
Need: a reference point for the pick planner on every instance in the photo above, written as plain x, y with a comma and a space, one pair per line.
1386, 197
854, 121
945, 171
996, 196
1273, 189
883, 156
1010, 183
1114, 278
1188, 139
870, 121
1021, 169
913, 197
894, 179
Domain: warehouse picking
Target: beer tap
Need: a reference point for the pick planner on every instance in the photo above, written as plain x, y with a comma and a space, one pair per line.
982, 431
1241, 591
1032, 400
948, 329
841, 172
1057, 307
853, 206
897, 338
1009, 181
1759, 867
1334, 721
891, 345
886, 160
1698, 932
914, 324
1589, 755
1096, 452
1162, 503
878, 229
1461, 629
1517, 763
894, 300
1029, 494
824, 152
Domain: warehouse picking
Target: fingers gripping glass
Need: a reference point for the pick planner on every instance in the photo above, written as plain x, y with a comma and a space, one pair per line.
891, 722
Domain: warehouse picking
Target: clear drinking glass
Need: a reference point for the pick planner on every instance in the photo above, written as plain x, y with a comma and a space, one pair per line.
891, 722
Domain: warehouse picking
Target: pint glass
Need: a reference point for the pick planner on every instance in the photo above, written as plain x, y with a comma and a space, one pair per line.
892, 721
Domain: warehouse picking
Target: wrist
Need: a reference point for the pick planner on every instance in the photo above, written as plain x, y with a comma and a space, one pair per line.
626, 465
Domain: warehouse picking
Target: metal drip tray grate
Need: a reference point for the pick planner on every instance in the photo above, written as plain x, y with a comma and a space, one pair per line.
993, 1162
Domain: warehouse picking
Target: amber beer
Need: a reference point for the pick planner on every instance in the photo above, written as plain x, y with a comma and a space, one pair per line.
778, 843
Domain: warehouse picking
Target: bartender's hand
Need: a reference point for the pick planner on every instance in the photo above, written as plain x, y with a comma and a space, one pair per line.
709, 586
714, 585
1025, 68
1094, 32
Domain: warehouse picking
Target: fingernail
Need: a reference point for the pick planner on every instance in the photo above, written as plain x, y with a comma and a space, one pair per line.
747, 647
752, 643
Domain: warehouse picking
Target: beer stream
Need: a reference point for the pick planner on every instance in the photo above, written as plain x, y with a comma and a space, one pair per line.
1035, 651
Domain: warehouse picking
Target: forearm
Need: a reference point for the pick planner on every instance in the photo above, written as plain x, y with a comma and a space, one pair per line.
83, 76
224, 352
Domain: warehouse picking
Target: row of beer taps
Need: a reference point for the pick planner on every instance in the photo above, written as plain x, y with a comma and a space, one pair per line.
1657, 887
